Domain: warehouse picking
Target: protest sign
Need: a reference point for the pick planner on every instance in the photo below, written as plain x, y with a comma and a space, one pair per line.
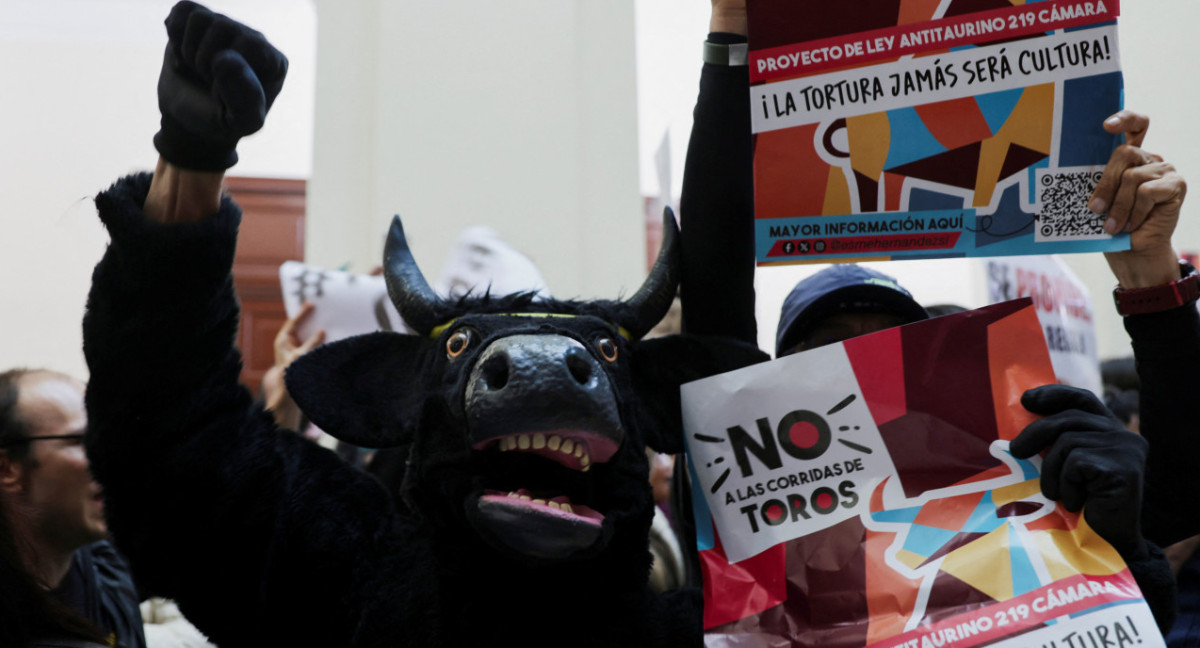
349, 304
862, 494
930, 129
346, 304
1064, 308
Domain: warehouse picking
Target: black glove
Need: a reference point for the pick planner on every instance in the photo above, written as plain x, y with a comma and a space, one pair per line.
1093, 463
218, 80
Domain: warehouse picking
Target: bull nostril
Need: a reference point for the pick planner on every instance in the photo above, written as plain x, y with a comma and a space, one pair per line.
578, 365
495, 372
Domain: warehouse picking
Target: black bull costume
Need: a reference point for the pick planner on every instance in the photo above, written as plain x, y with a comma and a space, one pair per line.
527, 498
541, 410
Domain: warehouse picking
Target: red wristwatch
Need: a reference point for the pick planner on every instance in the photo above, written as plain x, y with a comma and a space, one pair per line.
1136, 301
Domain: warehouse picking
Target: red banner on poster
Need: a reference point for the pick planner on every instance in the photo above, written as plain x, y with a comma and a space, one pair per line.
927, 36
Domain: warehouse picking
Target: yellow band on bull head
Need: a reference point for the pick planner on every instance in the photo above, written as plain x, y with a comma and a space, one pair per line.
441, 328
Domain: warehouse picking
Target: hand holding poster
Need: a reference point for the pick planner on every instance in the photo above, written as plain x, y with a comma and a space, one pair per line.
346, 304
863, 494
930, 129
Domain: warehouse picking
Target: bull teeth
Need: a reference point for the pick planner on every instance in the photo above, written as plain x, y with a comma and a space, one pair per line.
539, 441
561, 503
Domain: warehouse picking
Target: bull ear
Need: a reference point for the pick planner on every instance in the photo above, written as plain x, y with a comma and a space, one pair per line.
364, 390
663, 364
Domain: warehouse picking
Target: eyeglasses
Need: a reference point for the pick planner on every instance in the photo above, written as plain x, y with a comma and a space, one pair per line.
78, 436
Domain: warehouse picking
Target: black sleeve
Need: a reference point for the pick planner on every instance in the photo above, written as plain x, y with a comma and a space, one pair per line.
716, 233
1166, 346
717, 207
1157, 582
254, 531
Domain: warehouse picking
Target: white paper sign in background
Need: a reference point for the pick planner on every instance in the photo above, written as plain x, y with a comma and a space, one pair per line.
1064, 308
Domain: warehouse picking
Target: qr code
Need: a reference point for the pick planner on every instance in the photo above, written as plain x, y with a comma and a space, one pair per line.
1062, 199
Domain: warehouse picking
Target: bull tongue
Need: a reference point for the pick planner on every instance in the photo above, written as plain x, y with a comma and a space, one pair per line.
557, 506
540, 527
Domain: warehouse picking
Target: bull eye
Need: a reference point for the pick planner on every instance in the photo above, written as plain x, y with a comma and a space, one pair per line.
608, 349
459, 342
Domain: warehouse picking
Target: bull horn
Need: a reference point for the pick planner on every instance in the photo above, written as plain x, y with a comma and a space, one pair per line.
409, 291
652, 301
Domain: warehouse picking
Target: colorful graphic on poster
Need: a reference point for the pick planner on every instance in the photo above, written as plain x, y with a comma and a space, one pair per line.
930, 128
862, 494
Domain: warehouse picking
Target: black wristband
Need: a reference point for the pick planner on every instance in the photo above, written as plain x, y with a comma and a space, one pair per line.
1136, 301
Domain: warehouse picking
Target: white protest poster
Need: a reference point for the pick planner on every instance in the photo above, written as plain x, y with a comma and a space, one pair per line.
349, 304
346, 304
795, 452
1064, 308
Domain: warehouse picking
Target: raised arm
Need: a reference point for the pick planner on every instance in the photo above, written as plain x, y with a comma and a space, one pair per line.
1144, 195
1131, 488
213, 506
177, 195
717, 205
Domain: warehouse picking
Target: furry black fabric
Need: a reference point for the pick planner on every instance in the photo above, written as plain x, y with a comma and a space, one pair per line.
266, 539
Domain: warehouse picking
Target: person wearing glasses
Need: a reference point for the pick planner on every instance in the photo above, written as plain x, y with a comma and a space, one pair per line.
56, 509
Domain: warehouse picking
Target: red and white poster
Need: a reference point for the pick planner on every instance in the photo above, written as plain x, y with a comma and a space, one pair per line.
862, 495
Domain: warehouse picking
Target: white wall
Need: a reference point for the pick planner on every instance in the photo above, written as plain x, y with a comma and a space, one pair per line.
78, 79
670, 34
518, 114
521, 115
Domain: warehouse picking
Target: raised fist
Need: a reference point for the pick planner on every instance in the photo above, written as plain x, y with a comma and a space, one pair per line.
218, 80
